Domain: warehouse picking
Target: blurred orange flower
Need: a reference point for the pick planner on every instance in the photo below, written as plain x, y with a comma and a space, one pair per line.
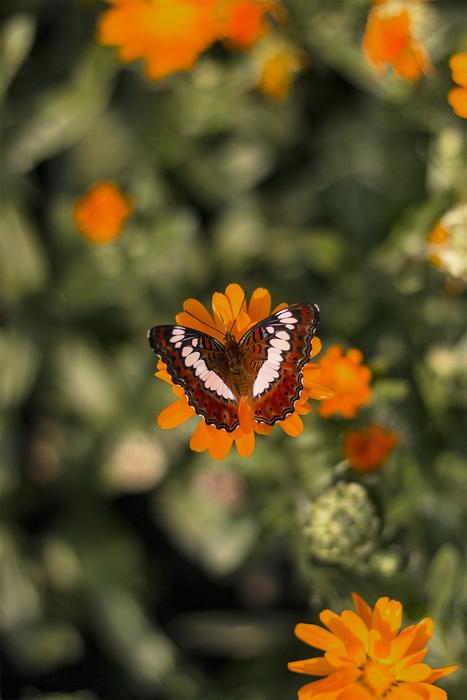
101, 213
367, 449
447, 243
367, 658
457, 97
389, 39
279, 63
207, 437
348, 377
169, 36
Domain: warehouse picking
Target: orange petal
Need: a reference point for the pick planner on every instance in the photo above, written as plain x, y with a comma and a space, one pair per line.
184, 319
245, 444
175, 414
312, 667
222, 311
199, 311
415, 673
407, 661
404, 694
387, 616
220, 443
458, 65
292, 425
437, 673
263, 428
163, 374
318, 391
424, 690
356, 625
362, 608
309, 692
260, 304
200, 440
355, 692
245, 416
317, 637
423, 634
279, 307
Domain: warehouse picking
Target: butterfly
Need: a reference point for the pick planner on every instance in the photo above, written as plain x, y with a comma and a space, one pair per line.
264, 367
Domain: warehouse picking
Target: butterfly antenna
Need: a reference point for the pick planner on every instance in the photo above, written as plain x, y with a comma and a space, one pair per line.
238, 312
200, 321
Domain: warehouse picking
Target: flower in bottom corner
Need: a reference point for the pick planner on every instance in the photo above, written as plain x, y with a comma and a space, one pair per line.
227, 317
367, 449
367, 657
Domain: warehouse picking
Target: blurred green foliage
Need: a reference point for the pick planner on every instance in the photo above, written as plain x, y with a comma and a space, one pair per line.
131, 567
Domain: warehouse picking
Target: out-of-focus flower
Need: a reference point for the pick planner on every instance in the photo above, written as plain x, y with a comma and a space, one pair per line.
447, 243
391, 38
367, 658
135, 464
224, 318
220, 485
279, 62
367, 449
340, 525
457, 97
102, 212
348, 377
169, 36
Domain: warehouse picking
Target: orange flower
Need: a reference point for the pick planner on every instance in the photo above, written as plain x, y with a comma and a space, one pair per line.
225, 307
169, 35
457, 97
367, 449
279, 63
101, 213
367, 658
389, 39
447, 243
349, 379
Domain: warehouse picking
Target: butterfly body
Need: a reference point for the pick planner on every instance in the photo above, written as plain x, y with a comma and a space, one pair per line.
264, 367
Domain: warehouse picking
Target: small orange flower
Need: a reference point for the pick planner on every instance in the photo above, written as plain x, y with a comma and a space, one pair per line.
207, 437
169, 35
279, 63
349, 379
447, 243
367, 658
101, 213
457, 97
367, 449
389, 39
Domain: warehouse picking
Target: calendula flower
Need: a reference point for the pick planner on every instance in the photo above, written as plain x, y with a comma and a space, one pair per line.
447, 243
340, 525
366, 657
225, 318
279, 61
390, 38
169, 36
457, 97
348, 377
102, 212
367, 449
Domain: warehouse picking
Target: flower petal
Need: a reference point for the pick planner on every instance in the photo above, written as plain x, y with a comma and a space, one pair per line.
245, 444
363, 609
317, 666
200, 439
437, 673
292, 425
387, 616
222, 311
415, 673
263, 428
175, 414
260, 304
425, 691
354, 692
316, 346
220, 443
318, 637
199, 311
423, 634
245, 416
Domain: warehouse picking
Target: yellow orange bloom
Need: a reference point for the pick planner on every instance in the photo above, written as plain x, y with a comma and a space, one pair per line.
457, 97
390, 39
367, 449
279, 62
169, 35
101, 213
224, 318
366, 657
348, 377
447, 243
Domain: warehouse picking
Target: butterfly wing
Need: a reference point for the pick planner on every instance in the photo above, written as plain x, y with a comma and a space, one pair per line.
197, 362
277, 348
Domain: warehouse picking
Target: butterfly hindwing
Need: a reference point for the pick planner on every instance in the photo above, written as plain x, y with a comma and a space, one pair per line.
277, 349
197, 362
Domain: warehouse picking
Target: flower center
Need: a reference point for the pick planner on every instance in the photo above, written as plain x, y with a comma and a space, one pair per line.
378, 678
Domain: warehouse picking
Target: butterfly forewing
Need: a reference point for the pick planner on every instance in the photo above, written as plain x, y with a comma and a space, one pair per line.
197, 362
277, 348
